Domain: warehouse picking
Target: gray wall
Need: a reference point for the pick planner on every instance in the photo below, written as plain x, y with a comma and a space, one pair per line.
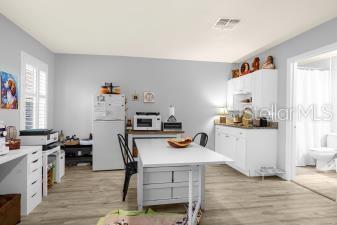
13, 40
320, 36
194, 88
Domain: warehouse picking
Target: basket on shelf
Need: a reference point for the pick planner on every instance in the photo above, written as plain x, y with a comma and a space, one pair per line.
13, 144
71, 142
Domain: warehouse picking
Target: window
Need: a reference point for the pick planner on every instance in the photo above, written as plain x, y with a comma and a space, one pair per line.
34, 101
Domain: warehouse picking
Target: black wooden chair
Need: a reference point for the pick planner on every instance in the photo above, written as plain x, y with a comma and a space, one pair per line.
203, 138
130, 164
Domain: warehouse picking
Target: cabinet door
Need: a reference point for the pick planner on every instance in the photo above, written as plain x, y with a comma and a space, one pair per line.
269, 88
264, 88
225, 144
228, 145
245, 83
256, 90
240, 153
230, 93
217, 139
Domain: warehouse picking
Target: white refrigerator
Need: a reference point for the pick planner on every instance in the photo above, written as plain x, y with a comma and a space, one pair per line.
108, 121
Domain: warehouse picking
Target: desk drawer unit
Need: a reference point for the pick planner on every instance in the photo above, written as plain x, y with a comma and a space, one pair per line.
34, 185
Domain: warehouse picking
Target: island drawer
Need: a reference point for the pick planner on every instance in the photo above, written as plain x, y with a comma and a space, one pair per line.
182, 175
154, 194
157, 175
182, 192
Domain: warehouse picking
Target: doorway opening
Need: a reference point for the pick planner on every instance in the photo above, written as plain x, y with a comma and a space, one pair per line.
312, 131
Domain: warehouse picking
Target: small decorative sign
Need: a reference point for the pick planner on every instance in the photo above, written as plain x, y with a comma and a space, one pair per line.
149, 97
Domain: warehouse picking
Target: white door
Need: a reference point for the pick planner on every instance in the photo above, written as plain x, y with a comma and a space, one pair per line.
106, 151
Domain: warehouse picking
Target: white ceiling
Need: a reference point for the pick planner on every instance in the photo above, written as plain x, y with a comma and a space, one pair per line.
174, 29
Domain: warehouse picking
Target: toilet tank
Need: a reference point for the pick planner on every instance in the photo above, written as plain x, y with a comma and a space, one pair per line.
332, 140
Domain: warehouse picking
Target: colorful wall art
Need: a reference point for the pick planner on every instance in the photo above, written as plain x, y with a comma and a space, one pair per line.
9, 91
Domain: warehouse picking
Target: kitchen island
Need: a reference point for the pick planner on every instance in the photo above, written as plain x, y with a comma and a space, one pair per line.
167, 175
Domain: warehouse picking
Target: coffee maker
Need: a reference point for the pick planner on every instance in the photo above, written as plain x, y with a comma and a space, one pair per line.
3, 133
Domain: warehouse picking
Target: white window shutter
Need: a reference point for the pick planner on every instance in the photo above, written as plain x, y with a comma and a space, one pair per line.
30, 112
34, 93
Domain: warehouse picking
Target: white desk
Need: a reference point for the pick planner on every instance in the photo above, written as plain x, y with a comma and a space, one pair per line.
168, 175
20, 172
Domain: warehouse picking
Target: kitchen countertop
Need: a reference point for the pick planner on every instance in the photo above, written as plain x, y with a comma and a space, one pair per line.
243, 127
153, 132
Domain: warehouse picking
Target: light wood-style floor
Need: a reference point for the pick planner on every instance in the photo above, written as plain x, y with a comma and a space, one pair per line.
324, 183
231, 198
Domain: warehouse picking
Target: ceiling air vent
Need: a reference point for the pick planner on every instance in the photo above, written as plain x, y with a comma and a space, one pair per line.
226, 23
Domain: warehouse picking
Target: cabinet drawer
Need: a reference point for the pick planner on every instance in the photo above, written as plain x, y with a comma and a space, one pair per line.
36, 154
35, 164
35, 197
157, 194
182, 176
35, 187
157, 177
182, 192
35, 175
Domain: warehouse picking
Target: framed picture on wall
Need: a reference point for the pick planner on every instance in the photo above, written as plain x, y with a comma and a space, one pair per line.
149, 97
135, 97
9, 91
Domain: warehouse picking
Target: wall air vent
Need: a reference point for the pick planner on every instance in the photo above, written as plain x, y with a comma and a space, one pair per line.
226, 23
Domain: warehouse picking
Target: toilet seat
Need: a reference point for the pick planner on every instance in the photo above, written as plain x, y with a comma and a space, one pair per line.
324, 150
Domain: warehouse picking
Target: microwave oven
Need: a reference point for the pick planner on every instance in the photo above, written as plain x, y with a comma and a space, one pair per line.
147, 121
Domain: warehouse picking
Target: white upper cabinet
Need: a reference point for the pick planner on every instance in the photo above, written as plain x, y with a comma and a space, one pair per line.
264, 88
261, 85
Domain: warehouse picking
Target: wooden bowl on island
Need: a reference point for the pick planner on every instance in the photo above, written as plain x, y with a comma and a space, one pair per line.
180, 143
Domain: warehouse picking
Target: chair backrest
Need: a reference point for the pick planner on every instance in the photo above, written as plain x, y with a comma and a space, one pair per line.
126, 153
203, 138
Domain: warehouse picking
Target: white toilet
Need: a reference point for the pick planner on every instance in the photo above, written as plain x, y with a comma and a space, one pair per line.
325, 156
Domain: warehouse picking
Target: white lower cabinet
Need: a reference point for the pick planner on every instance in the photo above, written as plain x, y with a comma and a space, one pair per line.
250, 149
